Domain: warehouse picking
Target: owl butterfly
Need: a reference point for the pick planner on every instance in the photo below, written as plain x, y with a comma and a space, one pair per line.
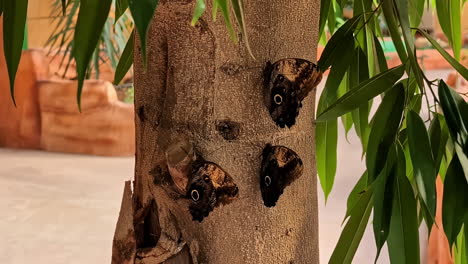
286, 83
208, 187
280, 167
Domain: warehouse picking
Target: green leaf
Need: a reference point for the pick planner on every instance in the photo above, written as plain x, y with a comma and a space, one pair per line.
224, 6
353, 198
455, 64
120, 8
126, 60
214, 11
416, 10
382, 61
450, 100
64, 7
449, 14
14, 20
456, 115
326, 136
238, 7
385, 124
333, 50
198, 11
393, 29
423, 162
438, 135
403, 237
331, 18
455, 201
401, 7
324, 10
91, 19
358, 72
326, 133
142, 13
460, 252
353, 231
383, 198
336, 76
361, 94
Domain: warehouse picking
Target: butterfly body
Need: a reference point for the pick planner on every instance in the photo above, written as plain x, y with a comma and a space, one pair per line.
286, 83
280, 167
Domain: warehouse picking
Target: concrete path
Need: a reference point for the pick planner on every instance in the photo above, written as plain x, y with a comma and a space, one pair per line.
62, 209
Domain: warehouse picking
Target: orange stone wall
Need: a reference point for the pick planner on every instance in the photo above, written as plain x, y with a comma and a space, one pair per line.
20, 126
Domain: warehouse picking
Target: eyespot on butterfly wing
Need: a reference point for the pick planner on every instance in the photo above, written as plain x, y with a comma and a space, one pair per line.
209, 187
280, 167
285, 85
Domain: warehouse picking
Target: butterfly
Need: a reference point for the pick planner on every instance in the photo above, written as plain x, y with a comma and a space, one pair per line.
286, 83
280, 167
209, 186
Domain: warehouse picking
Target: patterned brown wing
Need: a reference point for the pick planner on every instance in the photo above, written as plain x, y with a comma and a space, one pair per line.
281, 166
286, 83
209, 187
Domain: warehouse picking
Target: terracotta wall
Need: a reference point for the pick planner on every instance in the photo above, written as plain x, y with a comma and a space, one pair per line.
20, 125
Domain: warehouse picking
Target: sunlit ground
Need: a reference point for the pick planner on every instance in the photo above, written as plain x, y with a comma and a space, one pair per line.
62, 208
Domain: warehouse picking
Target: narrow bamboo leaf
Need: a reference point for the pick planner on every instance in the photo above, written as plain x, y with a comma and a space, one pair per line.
142, 13
214, 11
359, 72
385, 126
120, 8
382, 61
466, 234
455, 64
353, 198
64, 7
326, 135
126, 60
416, 10
224, 6
403, 237
353, 231
438, 135
336, 76
327, 132
393, 29
91, 19
332, 52
455, 201
198, 11
331, 18
449, 14
325, 6
401, 7
416, 103
361, 94
383, 198
346, 119
460, 253
238, 7
449, 100
423, 162
14, 20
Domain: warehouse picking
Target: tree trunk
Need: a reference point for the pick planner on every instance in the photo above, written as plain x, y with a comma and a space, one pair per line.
195, 79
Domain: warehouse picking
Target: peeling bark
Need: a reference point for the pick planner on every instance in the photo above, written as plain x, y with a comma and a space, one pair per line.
200, 85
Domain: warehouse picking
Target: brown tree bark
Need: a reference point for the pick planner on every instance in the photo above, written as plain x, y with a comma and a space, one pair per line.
196, 77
